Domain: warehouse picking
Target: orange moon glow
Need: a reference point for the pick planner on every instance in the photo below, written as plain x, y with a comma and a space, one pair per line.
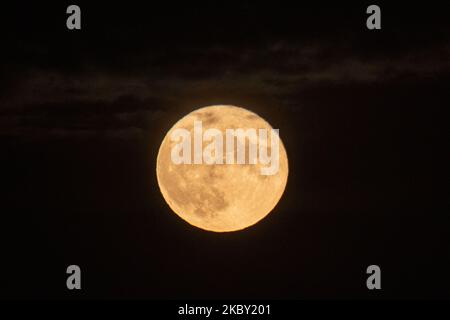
220, 197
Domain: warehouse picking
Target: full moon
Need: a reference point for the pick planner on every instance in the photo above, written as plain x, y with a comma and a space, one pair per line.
220, 197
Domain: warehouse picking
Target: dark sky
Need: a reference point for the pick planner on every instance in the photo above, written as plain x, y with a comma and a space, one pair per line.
361, 113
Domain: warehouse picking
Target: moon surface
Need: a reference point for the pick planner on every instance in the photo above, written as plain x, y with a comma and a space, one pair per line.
220, 197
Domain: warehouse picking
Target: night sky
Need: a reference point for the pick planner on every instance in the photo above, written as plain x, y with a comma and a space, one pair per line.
360, 112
